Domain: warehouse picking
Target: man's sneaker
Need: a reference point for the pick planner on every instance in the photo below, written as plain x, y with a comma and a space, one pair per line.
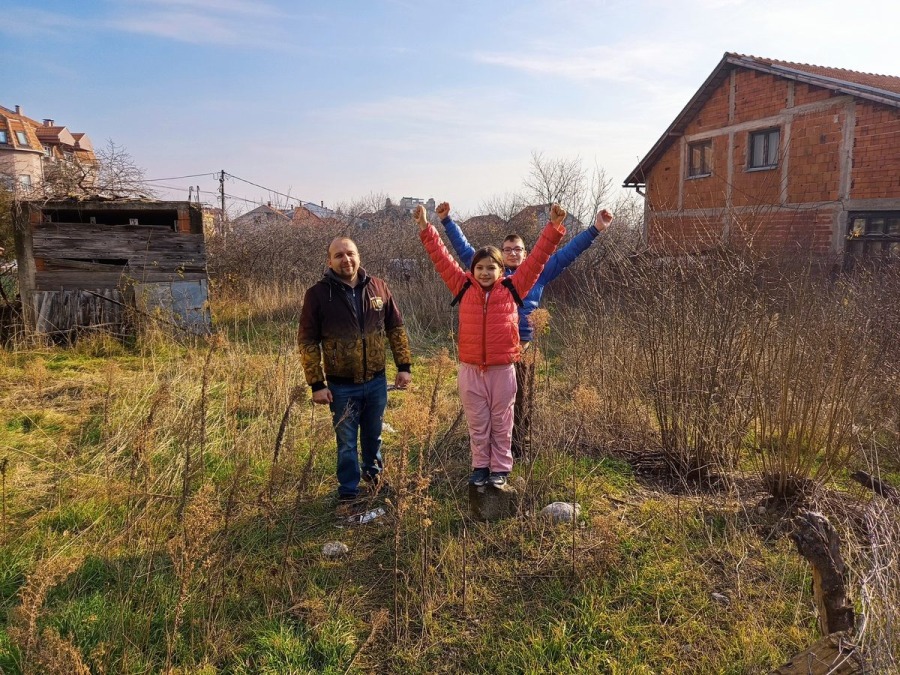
372, 479
479, 477
347, 498
498, 478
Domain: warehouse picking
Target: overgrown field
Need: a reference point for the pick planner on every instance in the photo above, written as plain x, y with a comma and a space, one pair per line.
165, 501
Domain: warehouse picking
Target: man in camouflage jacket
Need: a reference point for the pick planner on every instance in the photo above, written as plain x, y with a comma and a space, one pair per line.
345, 319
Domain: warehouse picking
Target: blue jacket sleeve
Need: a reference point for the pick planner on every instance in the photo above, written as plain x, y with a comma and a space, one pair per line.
567, 254
460, 244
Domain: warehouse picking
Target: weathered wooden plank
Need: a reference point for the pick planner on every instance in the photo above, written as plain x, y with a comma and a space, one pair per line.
59, 311
50, 281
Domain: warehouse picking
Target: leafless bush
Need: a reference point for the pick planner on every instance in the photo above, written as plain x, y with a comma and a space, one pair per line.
810, 383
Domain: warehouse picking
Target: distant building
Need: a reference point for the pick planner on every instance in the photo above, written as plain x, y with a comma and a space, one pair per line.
410, 203
34, 153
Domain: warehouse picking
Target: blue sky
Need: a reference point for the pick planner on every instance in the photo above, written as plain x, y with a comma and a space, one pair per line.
332, 101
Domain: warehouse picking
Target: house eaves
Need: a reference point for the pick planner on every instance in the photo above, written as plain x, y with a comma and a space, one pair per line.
795, 72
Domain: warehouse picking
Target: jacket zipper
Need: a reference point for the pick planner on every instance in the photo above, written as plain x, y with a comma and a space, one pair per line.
487, 297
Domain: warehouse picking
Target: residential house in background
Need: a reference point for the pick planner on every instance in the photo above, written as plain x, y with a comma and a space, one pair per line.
778, 156
33, 153
305, 213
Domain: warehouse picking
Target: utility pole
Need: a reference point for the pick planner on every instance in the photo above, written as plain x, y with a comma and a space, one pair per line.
222, 192
222, 205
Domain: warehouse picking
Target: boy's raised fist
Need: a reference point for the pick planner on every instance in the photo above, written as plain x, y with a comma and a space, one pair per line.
442, 210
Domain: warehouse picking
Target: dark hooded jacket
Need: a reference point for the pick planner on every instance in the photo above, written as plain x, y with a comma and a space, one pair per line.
346, 329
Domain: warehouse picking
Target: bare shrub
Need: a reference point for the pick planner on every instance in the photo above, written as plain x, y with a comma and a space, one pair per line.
697, 322
810, 384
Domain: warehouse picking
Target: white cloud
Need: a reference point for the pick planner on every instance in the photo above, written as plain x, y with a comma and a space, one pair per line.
612, 63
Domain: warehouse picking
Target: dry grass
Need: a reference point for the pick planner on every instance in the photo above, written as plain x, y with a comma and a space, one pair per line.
165, 502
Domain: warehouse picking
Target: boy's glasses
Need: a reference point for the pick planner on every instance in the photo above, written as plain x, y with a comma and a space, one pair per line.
517, 250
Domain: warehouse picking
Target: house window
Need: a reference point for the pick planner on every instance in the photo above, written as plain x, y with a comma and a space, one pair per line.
764, 149
699, 159
4, 139
25, 181
22, 138
874, 234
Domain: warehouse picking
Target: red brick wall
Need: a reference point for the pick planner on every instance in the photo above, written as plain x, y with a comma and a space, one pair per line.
805, 93
709, 191
758, 95
814, 156
762, 186
770, 229
662, 184
876, 153
714, 114
685, 234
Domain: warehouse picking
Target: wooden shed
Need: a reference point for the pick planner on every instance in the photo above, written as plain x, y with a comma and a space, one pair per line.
83, 263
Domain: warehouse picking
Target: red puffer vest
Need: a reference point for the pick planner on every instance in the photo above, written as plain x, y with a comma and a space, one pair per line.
488, 320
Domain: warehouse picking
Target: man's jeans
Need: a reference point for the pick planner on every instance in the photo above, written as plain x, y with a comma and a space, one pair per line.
358, 410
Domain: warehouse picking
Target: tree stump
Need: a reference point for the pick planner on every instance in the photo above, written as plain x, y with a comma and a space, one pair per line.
493, 503
818, 542
832, 655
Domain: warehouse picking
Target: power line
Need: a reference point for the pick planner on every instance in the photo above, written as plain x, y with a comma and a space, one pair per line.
193, 175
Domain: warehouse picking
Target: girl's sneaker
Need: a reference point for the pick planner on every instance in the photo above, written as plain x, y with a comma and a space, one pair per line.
479, 477
498, 478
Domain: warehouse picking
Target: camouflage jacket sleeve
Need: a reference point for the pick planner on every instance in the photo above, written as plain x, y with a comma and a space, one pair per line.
309, 340
397, 337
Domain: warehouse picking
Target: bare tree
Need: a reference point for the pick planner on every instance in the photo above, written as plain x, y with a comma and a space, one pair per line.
505, 206
118, 174
567, 182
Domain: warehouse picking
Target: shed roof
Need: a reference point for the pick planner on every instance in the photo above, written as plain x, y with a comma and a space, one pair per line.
883, 89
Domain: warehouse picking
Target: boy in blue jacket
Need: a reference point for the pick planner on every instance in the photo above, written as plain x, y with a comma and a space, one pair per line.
514, 253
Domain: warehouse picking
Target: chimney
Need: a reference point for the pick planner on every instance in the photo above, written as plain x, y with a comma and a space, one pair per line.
48, 122
18, 110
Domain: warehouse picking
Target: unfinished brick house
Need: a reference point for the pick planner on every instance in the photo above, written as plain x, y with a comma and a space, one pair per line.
778, 156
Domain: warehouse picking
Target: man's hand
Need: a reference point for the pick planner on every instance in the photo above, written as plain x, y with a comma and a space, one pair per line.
323, 396
420, 217
402, 380
442, 210
604, 218
557, 214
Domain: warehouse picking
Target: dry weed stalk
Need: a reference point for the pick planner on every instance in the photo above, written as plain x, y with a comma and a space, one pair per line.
191, 557
57, 655
23, 619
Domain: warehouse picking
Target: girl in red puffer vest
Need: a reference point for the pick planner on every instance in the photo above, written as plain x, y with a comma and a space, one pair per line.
489, 338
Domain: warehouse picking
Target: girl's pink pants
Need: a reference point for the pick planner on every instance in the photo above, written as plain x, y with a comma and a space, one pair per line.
488, 397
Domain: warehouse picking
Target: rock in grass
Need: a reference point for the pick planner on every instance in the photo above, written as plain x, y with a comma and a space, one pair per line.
335, 549
490, 503
561, 512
